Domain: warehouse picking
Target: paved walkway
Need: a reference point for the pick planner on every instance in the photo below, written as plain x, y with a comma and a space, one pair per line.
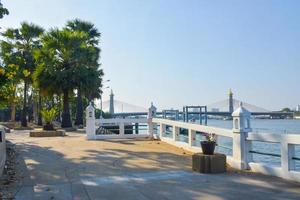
74, 168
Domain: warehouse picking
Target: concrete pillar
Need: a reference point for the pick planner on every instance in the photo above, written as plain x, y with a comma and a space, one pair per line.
240, 145
192, 135
111, 103
162, 129
230, 102
175, 133
90, 122
151, 115
122, 129
287, 154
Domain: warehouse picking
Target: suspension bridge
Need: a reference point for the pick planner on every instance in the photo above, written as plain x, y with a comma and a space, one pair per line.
222, 108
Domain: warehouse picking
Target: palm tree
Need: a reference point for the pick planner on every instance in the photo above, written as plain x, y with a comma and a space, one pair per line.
3, 11
24, 41
62, 54
90, 77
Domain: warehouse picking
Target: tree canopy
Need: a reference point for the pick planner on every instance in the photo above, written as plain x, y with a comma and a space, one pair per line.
52, 65
69, 60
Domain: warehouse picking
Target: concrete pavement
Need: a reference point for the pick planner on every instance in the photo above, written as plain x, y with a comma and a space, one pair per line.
73, 168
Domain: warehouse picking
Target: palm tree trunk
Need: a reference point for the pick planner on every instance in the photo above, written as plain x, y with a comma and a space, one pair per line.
66, 118
40, 122
79, 109
24, 110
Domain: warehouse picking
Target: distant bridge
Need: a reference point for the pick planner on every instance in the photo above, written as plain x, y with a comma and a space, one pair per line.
220, 108
276, 114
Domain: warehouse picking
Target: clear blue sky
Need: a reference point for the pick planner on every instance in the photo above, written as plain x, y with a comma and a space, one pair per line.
187, 52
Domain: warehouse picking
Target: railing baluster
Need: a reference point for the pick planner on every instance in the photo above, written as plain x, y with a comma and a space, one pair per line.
175, 132
192, 135
121, 128
162, 129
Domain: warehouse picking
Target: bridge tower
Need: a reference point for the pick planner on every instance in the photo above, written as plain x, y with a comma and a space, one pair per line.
111, 103
231, 109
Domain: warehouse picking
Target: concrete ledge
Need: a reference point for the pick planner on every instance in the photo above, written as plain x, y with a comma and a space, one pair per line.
42, 133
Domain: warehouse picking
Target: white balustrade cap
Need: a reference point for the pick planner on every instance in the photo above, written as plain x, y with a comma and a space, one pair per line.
241, 111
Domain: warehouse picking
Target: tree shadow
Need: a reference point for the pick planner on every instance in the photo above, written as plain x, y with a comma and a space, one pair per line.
140, 170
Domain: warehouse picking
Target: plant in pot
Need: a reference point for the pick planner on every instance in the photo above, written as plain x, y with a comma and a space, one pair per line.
208, 146
48, 116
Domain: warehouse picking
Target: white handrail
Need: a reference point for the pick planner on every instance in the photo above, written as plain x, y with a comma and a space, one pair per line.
194, 127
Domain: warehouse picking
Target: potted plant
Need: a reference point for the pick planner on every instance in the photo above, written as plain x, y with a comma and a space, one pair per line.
48, 116
208, 146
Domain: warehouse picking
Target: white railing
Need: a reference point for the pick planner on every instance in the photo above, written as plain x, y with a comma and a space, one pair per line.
120, 125
287, 155
242, 152
192, 129
241, 136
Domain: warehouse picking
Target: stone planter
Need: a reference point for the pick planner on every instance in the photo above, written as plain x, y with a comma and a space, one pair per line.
208, 147
43, 133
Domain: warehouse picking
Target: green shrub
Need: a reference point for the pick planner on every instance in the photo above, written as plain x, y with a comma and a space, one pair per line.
48, 115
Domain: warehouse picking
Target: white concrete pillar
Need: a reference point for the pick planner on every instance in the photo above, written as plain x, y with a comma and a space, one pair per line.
175, 131
240, 145
90, 122
287, 154
151, 115
162, 129
122, 128
192, 135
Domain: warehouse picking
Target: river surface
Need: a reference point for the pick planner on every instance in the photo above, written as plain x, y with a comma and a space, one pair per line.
280, 126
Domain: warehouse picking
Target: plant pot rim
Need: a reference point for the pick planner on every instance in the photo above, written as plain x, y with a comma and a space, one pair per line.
208, 141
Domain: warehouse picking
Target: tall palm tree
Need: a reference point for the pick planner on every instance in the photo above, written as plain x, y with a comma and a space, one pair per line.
90, 79
62, 52
24, 41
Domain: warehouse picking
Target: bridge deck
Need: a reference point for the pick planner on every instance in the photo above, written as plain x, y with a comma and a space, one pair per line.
275, 113
73, 168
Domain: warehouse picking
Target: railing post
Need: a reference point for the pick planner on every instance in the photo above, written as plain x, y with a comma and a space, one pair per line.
175, 132
241, 147
162, 129
151, 115
122, 128
287, 154
192, 135
90, 122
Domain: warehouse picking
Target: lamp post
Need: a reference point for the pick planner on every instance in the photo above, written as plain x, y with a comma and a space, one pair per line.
101, 115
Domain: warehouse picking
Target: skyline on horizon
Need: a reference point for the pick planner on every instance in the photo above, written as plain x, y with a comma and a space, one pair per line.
177, 53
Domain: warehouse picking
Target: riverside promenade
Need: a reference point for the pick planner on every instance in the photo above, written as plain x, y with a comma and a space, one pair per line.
72, 167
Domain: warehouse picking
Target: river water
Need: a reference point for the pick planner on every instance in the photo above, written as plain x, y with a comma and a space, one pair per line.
280, 126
